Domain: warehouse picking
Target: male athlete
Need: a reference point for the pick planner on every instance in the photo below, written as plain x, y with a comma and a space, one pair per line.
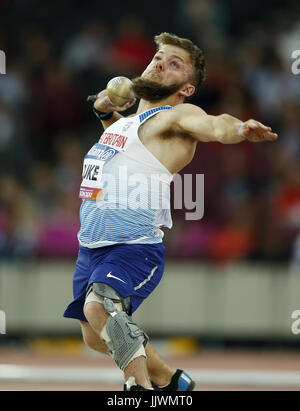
121, 254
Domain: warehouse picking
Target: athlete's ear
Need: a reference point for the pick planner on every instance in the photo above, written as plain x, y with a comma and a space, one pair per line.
188, 90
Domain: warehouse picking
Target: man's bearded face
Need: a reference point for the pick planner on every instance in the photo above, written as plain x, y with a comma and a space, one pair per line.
153, 91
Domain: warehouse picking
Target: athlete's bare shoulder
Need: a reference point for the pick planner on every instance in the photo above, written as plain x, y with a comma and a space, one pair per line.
184, 108
168, 121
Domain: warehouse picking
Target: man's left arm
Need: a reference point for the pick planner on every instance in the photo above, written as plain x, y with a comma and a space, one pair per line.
224, 128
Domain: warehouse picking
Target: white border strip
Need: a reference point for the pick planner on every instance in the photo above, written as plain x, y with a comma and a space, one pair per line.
109, 375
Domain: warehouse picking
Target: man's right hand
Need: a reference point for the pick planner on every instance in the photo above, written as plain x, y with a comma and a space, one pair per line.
104, 104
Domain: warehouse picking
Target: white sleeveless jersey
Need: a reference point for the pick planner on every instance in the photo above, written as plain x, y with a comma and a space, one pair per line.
125, 189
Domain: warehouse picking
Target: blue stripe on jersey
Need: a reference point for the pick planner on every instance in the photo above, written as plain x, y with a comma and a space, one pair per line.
153, 110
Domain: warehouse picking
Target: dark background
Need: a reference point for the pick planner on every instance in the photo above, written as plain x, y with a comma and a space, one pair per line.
58, 52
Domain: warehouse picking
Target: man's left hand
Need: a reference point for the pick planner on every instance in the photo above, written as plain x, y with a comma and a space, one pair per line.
255, 131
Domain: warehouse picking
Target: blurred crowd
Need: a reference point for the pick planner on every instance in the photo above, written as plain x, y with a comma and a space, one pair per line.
252, 191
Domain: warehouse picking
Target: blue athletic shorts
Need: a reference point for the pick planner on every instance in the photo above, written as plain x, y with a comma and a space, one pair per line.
131, 269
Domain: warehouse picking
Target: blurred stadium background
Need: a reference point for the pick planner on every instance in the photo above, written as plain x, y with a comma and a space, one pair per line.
224, 307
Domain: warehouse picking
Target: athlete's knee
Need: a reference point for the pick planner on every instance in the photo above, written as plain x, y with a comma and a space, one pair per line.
124, 338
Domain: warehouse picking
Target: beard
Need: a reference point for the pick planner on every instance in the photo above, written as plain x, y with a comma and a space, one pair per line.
151, 90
